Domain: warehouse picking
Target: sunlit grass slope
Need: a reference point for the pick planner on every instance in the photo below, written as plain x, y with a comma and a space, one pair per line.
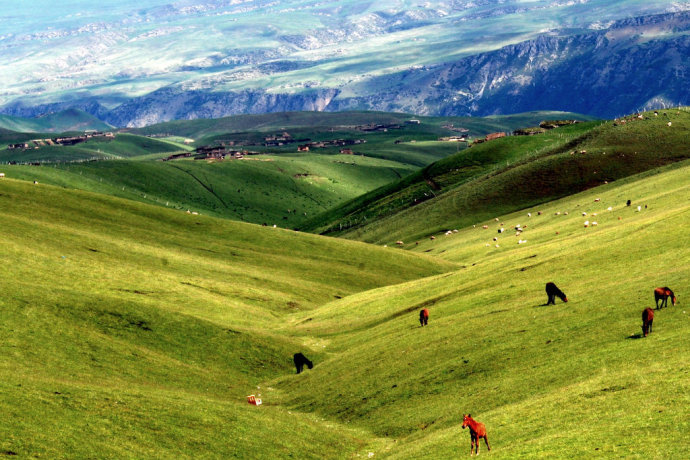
571, 380
525, 173
122, 146
134, 331
282, 190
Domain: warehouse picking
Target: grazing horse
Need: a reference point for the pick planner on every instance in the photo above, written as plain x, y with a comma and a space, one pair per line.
300, 360
477, 431
647, 320
663, 293
552, 291
424, 316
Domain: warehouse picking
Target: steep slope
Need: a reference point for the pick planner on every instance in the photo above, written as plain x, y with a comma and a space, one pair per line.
141, 330
572, 379
529, 171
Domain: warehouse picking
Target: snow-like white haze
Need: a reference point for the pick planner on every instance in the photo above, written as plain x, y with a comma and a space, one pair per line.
120, 49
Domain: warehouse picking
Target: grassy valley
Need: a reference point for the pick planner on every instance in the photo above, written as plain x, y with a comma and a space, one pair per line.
145, 327
141, 329
278, 186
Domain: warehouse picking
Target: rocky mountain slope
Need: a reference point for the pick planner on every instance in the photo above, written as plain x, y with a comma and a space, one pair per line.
441, 58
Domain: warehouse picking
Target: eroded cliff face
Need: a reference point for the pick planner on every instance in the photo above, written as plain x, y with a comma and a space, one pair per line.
174, 104
637, 63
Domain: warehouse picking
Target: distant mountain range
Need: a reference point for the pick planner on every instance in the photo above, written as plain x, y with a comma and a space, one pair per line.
148, 62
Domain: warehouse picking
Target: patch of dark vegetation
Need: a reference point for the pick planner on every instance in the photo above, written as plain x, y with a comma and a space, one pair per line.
232, 331
93, 250
611, 389
292, 304
8, 452
136, 291
129, 322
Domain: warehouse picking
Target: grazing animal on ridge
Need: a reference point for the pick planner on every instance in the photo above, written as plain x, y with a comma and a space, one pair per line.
552, 291
300, 360
423, 316
477, 431
647, 320
663, 293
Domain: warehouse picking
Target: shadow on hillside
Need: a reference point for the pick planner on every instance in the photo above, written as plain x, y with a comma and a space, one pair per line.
635, 336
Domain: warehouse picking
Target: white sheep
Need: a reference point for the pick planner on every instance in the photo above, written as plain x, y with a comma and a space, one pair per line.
586, 223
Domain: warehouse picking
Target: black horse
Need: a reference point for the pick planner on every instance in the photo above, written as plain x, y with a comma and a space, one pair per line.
552, 291
424, 316
300, 360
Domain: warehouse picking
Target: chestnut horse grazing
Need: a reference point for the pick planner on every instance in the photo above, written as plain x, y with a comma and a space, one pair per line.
552, 291
647, 320
477, 431
663, 293
424, 316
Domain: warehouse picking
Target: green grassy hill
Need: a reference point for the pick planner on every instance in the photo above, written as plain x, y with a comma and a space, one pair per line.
508, 174
67, 120
141, 330
122, 146
566, 381
282, 190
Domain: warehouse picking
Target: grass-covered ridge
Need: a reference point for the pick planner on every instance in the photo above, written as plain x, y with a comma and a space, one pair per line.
508, 174
278, 187
564, 381
147, 327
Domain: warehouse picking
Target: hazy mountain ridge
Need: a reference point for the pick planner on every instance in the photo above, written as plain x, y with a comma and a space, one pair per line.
357, 55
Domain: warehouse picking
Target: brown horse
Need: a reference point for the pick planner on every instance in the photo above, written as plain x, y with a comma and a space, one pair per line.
424, 316
647, 320
663, 293
477, 431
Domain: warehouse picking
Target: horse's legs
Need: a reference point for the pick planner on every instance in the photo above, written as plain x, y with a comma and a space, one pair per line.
486, 440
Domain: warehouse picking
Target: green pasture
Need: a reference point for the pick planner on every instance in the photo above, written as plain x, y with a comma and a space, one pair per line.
509, 174
566, 381
282, 190
122, 146
140, 330
133, 330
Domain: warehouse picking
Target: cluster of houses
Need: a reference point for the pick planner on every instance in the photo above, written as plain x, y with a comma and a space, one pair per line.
72, 140
331, 143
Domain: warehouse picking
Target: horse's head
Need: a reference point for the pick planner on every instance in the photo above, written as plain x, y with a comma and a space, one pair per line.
565, 299
466, 421
673, 299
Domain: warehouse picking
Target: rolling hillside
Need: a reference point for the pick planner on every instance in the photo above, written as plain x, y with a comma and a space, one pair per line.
59, 122
509, 174
570, 380
140, 330
280, 187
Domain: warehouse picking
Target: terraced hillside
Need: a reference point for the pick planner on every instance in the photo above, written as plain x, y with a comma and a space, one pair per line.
508, 174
